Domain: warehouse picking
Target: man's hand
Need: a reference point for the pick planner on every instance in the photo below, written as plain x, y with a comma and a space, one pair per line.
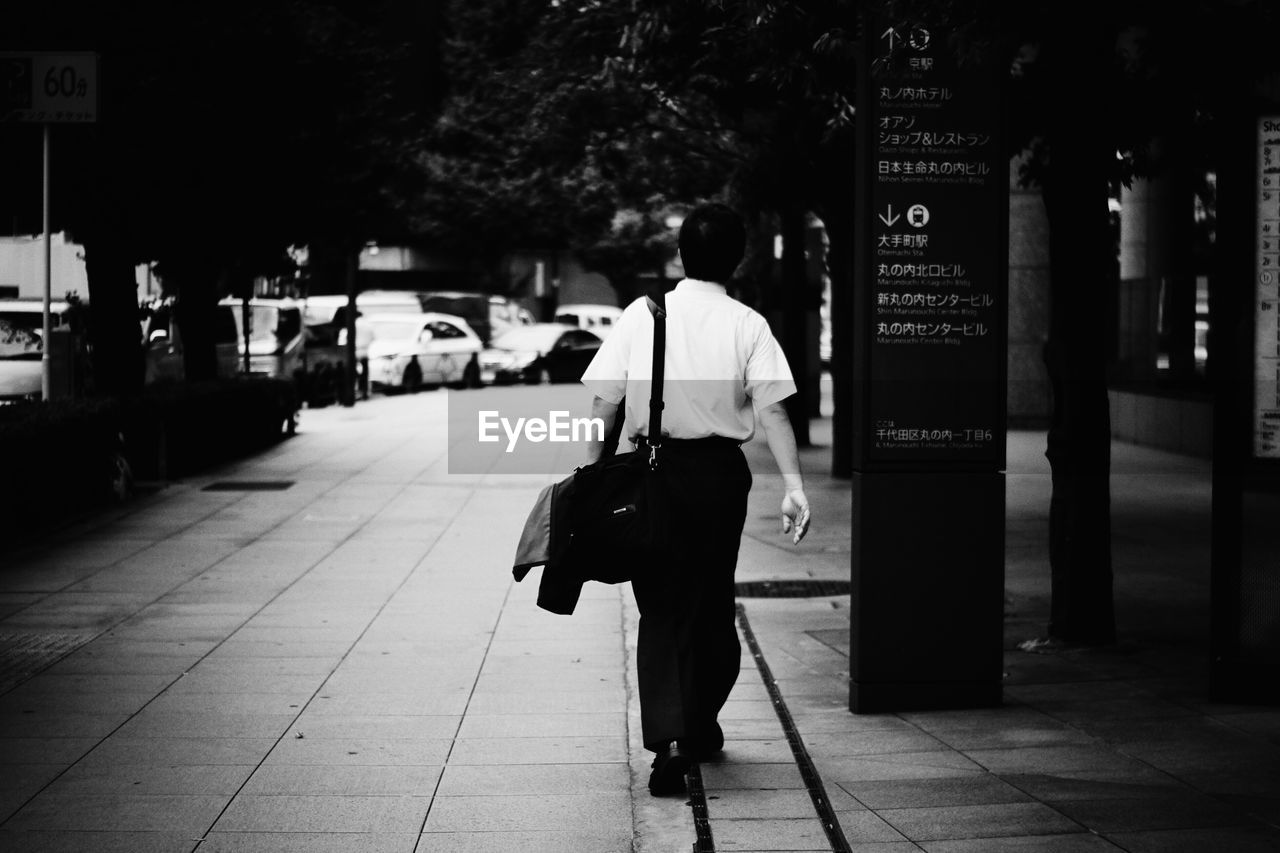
795, 514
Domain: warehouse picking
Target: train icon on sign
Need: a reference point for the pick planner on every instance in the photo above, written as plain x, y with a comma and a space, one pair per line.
918, 216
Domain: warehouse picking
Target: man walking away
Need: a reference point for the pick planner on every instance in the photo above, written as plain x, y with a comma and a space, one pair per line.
721, 362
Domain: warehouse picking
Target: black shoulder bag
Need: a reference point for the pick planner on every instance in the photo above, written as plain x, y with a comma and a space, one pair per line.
619, 518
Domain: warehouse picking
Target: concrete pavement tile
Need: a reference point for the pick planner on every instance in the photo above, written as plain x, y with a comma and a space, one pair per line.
505, 647
1244, 779
28, 777
1244, 839
597, 841
170, 666
304, 842
742, 730
359, 751
779, 834
227, 703
1143, 782
250, 813
109, 644
867, 827
914, 765
1265, 724
1044, 734
45, 684
839, 719
534, 682
32, 750
571, 750
1053, 759
716, 777
520, 660
1135, 708
64, 841
757, 751
1185, 810
56, 725
267, 665
532, 779
170, 724
119, 813
330, 780
1065, 843
237, 649
376, 727
184, 752
757, 804
982, 821
542, 725
375, 703
349, 679
748, 710
205, 779
875, 742
198, 681
547, 703
538, 812
922, 793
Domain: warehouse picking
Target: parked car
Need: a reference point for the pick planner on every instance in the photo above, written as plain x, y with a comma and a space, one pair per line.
21, 348
29, 313
164, 347
275, 338
597, 319
20, 368
488, 314
543, 352
410, 351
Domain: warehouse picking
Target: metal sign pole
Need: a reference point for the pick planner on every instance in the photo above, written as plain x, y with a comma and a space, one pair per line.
45, 383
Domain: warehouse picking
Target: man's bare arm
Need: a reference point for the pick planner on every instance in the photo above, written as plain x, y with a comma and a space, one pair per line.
607, 412
782, 444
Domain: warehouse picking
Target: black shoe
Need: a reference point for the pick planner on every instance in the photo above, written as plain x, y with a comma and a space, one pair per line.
669, 767
706, 744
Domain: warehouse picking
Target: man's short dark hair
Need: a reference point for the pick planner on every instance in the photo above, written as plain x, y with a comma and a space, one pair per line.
712, 240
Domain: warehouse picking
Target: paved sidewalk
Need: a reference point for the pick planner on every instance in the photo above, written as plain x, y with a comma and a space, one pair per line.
345, 665
1115, 749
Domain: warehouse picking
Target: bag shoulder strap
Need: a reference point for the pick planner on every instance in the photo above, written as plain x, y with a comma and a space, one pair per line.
657, 307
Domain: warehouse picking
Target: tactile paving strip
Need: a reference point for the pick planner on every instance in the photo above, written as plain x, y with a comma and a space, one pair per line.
23, 654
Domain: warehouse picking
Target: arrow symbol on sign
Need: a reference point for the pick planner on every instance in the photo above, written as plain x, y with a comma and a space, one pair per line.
890, 218
892, 37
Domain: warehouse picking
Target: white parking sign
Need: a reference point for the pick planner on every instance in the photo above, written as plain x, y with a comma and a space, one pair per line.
48, 88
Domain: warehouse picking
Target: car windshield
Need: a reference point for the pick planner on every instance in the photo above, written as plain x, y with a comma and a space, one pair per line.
389, 307
395, 330
540, 338
17, 341
267, 322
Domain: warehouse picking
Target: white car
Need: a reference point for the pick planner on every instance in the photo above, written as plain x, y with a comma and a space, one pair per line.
20, 368
410, 351
597, 319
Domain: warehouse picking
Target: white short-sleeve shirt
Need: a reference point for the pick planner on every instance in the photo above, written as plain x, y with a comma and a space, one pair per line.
721, 358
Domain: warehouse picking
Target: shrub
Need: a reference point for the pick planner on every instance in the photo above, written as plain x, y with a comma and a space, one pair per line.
62, 457
55, 458
176, 429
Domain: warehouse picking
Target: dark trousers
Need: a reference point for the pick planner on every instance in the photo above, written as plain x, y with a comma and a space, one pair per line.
688, 653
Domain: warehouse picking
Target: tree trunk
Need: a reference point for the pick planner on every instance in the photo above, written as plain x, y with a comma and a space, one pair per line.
1082, 276
196, 306
117, 366
795, 304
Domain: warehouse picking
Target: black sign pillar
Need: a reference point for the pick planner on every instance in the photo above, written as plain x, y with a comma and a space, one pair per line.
930, 333
1244, 366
